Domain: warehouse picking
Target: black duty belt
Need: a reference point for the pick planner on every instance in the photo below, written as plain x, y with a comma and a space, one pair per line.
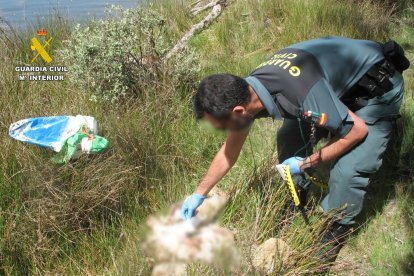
376, 82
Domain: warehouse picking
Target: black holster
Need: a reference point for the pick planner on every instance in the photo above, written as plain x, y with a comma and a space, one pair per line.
394, 53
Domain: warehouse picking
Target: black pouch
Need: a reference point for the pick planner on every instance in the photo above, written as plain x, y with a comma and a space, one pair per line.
394, 53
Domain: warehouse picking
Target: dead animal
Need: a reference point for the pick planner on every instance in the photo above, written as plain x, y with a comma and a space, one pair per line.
171, 240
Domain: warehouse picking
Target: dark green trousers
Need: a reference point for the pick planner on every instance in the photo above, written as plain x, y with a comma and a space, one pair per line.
350, 173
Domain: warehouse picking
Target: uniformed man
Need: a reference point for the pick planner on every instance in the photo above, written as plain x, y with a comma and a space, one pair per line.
349, 89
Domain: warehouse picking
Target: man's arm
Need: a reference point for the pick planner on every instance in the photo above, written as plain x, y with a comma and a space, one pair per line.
339, 145
223, 161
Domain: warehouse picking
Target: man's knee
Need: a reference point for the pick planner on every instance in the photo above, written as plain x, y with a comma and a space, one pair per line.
347, 188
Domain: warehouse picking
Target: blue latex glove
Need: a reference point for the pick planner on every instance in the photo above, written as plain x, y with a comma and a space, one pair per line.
190, 205
294, 164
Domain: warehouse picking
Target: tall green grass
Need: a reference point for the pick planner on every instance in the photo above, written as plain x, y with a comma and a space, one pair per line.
85, 217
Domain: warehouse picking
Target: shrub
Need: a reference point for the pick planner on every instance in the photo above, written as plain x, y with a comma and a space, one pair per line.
122, 55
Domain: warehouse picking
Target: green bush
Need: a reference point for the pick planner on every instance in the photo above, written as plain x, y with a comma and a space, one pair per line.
122, 55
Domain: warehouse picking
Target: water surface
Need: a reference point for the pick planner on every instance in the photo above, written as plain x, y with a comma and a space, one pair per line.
21, 13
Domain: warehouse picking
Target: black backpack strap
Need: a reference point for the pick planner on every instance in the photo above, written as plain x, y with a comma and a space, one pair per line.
265, 97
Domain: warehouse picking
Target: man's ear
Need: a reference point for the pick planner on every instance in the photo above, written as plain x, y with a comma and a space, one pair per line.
239, 109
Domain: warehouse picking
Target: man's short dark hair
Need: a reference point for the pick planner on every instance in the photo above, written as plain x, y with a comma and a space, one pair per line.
218, 94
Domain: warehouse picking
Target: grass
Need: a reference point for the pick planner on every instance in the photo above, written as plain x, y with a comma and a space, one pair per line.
85, 217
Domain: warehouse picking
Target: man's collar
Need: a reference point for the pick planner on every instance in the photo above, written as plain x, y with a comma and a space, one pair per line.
264, 97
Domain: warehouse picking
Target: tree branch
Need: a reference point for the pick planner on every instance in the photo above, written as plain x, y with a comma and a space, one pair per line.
182, 44
196, 10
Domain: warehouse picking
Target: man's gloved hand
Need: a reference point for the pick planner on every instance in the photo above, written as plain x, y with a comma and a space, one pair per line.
190, 205
294, 164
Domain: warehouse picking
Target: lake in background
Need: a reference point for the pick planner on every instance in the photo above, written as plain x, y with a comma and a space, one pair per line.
21, 13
